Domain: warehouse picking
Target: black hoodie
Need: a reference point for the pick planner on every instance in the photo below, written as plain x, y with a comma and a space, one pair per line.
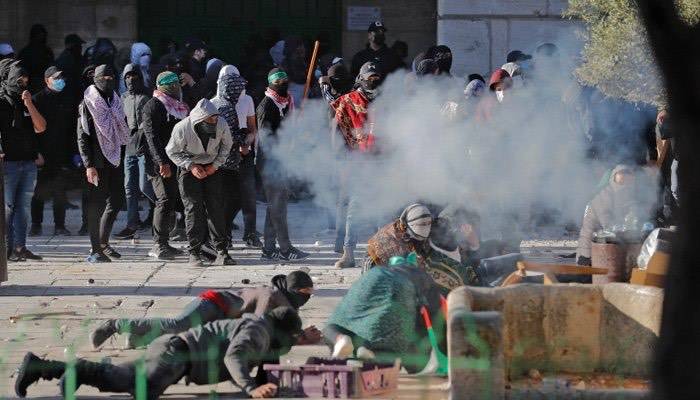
19, 141
134, 100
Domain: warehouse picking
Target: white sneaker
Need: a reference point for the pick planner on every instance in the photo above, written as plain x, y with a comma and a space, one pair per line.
364, 353
343, 347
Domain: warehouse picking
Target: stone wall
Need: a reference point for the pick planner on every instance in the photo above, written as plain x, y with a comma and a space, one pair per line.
482, 32
115, 19
412, 21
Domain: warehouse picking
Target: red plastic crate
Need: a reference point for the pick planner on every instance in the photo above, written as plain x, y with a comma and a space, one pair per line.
333, 379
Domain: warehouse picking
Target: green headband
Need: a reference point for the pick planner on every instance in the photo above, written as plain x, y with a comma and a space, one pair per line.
277, 75
167, 78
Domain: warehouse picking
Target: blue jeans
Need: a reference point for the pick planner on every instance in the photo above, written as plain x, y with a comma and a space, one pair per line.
135, 183
20, 179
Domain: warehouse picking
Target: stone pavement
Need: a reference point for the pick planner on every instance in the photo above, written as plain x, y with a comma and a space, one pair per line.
51, 304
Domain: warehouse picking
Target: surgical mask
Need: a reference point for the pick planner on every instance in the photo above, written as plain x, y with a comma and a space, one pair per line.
499, 96
145, 60
58, 85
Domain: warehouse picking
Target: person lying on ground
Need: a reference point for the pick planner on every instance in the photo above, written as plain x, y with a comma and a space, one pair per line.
293, 290
240, 344
379, 317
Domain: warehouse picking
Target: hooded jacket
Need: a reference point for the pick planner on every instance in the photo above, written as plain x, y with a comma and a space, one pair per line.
185, 148
138, 50
134, 103
608, 208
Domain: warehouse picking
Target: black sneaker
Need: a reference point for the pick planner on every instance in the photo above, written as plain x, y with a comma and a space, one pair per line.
174, 251
61, 231
28, 255
270, 255
110, 252
253, 242
15, 256
98, 258
161, 253
196, 260
126, 234
224, 259
294, 254
83, 230
35, 230
208, 252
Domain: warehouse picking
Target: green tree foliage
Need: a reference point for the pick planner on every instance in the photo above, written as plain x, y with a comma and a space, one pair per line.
617, 58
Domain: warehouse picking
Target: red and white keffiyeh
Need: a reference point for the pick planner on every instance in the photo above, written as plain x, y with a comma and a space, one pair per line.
281, 101
174, 107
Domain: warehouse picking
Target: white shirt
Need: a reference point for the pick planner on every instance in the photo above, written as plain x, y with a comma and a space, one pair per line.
245, 108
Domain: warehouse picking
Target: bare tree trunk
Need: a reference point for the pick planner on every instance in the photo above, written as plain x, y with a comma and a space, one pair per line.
675, 45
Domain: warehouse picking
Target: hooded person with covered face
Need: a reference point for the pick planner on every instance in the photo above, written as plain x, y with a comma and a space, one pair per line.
272, 110
160, 115
20, 122
376, 51
241, 344
291, 290
199, 145
102, 134
352, 118
134, 99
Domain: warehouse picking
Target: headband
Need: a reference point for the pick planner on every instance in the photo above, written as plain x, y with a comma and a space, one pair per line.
277, 75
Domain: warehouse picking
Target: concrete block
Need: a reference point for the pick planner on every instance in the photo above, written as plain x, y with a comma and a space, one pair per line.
492, 7
475, 355
469, 41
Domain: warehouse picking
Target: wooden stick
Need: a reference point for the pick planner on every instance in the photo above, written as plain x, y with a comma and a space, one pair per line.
561, 268
310, 72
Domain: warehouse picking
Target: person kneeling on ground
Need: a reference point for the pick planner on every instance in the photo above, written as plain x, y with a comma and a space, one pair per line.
379, 317
199, 145
293, 290
607, 209
409, 233
242, 344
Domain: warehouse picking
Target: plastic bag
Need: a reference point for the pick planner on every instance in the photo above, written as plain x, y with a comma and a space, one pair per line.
658, 239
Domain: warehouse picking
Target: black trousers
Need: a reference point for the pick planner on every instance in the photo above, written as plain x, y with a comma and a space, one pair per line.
276, 230
204, 206
167, 197
104, 203
50, 184
245, 200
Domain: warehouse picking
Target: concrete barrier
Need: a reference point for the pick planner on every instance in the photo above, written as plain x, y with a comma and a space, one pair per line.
552, 328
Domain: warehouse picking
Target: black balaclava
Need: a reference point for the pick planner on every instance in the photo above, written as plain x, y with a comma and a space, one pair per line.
105, 86
443, 56
290, 285
370, 88
340, 78
134, 82
281, 89
87, 78
286, 326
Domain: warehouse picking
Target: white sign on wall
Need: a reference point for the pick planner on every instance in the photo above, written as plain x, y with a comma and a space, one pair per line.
359, 18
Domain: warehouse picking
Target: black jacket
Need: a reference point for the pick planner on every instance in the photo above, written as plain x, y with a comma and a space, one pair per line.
55, 143
157, 129
269, 121
19, 141
385, 58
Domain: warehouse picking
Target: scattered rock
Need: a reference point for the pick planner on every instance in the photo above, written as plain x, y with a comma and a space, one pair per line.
246, 281
91, 281
534, 374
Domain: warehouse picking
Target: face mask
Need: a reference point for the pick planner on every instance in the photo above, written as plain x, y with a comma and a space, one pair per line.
132, 83
145, 60
281, 89
173, 91
242, 94
58, 85
499, 96
297, 299
370, 84
207, 129
379, 38
105, 85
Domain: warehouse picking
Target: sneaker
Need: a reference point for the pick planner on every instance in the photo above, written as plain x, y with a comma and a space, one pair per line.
343, 347
270, 255
294, 254
61, 231
103, 332
97, 258
161, 253
174, 251
224, 259
253, 242
15, 256
28, 255
208, 252
196, 260
83, 230
110, 252
125, 234
35, 230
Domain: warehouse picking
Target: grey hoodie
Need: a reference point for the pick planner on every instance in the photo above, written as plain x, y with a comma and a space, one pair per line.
185, 148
